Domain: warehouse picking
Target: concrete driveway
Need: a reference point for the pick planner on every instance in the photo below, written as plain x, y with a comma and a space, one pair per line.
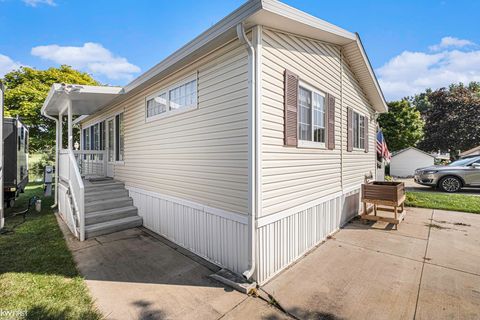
428, 269
134, 274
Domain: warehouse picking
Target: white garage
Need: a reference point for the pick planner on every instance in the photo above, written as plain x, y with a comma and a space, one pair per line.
406, 161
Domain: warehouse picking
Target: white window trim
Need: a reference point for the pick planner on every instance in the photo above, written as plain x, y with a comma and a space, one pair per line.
306, 143
359, 131
166, 90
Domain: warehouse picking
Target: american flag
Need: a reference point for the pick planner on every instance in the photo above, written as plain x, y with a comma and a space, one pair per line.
382, 148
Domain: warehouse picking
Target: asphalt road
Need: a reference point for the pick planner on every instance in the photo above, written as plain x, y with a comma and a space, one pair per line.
410, 185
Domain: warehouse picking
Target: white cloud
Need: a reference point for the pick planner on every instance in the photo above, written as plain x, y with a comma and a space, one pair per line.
92, 57
34, 3
410, 72
7, 65
451, 42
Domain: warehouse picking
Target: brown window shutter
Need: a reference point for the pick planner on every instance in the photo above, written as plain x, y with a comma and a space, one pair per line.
366, 133
291, 107
349, 129
330, 122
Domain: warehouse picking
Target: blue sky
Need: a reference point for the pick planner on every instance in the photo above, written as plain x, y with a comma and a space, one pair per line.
118, 40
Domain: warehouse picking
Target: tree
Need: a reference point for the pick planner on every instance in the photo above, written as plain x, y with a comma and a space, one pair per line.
26, 91
402, 125
452, 118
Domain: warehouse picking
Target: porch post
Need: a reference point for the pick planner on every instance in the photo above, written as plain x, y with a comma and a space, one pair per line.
70, 129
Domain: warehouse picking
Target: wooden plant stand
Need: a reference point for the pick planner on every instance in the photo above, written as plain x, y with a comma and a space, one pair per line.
384, 194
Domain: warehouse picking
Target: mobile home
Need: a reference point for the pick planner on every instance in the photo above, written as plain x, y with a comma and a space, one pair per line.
246, 146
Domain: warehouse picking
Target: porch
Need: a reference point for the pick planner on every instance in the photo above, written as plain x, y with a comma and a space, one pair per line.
89, 200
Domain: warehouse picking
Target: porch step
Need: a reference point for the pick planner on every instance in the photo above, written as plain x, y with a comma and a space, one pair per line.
111, 226
105, 194
110, 214
106, 204
104, 186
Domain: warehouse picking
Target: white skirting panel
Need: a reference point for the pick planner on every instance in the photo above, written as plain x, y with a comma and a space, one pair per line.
216, 235
282, 241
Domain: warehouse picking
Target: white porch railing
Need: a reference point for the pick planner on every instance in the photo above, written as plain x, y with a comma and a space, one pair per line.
91, 163
72, 200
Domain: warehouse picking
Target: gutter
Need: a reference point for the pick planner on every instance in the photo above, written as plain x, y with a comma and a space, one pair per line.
252, 164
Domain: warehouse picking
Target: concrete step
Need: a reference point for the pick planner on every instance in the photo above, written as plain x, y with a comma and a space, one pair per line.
113, 203
107, 227
110, 214
105, 194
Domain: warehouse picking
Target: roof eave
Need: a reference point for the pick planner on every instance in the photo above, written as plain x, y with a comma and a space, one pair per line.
382, 103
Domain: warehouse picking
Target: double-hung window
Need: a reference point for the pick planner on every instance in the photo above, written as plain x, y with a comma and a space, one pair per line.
179, 97
358, 131
311, 115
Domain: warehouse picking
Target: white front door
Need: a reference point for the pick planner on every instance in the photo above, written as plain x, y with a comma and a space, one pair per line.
110, 146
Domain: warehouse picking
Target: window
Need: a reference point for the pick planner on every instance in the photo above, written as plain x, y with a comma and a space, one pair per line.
311, 117
157, 105
183, 96
358, 131
119, 137
177, 98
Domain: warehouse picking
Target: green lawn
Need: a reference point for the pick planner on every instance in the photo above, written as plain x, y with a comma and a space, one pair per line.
434, 200
37, 271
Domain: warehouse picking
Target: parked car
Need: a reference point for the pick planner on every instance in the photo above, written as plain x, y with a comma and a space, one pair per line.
461, 173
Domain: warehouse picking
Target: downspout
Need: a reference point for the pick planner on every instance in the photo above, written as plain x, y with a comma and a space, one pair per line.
56, 155
252, 145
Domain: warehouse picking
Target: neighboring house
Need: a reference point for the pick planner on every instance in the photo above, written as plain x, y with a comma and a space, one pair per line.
472, 152
441, 156
247, 146
406, 161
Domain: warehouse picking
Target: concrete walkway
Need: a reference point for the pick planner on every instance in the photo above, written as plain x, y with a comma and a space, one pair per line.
428, 269
133, 274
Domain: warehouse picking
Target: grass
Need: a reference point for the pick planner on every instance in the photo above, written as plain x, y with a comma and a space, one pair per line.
38, 276
454, 202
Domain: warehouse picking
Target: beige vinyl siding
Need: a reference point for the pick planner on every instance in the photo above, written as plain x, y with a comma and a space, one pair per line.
295, 176
357, 164
199, 155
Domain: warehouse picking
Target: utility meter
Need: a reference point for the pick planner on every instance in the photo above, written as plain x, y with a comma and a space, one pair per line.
47, 179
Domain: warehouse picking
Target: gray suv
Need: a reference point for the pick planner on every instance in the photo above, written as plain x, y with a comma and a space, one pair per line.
452, 177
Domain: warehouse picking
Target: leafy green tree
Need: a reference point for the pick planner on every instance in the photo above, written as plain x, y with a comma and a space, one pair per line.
452, 118
402, 125
26, 91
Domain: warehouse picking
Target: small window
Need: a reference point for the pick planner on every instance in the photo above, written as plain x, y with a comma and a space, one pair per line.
179, 97
358, 131
311, 117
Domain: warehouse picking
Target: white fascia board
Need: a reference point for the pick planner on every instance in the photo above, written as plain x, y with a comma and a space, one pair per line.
292, 13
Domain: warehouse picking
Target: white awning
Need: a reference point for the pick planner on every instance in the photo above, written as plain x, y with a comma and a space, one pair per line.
85, 100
